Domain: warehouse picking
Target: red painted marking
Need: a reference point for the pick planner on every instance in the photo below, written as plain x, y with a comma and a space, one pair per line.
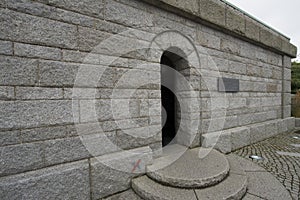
136, 165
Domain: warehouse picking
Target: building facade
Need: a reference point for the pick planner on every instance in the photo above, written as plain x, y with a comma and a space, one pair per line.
93, 91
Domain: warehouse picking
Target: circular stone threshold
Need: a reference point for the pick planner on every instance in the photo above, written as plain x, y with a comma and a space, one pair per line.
191, 171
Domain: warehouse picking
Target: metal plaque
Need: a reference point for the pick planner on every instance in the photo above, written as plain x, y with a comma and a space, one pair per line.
228, 85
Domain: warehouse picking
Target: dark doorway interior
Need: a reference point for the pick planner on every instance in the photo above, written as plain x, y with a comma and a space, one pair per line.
169, 102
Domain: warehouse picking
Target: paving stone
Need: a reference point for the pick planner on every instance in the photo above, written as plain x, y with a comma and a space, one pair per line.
129, 194
202, 172
251, 197
233, 187
68, 181
237, 163
266, 186
148, 189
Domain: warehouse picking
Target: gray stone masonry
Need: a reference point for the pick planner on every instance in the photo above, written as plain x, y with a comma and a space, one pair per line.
80, 89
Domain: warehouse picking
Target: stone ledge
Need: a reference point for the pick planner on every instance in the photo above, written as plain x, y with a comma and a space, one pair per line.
230, 140
225, 16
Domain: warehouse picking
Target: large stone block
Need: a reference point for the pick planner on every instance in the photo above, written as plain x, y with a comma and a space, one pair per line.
240, 137
16, 25
19, 158
220, 141
35, 51
252, 29
112, 173
6, 47
137, 137
54, 73
213, 11
208, 40
9, 137
90, 38
17, 71
235, 20
26, 114
65, 150
269, 38
230, 46
43, 133
128, 15
188, 6
258, 132
88, 7
290, 123
68, 181
7, 93
36, 93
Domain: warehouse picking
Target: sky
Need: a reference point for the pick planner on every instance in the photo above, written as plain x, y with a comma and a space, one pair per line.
282, 15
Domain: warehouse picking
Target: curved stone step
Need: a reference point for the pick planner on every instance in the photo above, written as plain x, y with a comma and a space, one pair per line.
233, 187
191, 171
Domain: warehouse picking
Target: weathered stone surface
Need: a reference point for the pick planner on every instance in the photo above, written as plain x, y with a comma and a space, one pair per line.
203, 172
35, 51
230, 46
240, 137
6, 47
68, 181
251, 197
208, 40
6, 93
220, 140
17, 71
90, 38
235, 20
237, 163
263, 184
128, 194
35, 113
297, 122
38, 93
42, 31
9, 137
269, 38
112, 173
126, 15
213, 11
88, 7
148, 189
54, 73
137, 137
65, 150
19, 158
233, 187
43, 133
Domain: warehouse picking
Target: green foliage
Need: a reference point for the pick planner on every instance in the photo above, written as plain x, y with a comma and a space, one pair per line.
295, 77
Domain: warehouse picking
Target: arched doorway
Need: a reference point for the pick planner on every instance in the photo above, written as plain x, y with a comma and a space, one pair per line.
170, 104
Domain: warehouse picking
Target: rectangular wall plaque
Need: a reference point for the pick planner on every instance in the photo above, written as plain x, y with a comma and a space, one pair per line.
228, 85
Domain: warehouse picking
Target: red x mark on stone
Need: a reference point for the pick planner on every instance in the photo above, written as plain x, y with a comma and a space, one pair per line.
136, 165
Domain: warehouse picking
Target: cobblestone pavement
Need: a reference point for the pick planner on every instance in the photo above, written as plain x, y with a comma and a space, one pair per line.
281, 157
